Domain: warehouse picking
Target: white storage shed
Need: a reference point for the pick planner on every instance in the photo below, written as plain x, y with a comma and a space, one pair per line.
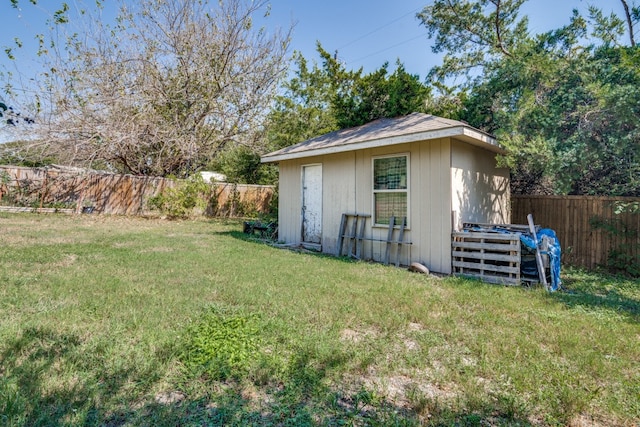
429, 173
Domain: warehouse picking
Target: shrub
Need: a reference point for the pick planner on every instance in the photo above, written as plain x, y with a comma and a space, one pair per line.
182, 200
620, 258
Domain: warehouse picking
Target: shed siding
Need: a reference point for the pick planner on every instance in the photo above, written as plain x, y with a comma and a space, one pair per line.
480, 190
445, 175
339, 195
431, 207
347, 186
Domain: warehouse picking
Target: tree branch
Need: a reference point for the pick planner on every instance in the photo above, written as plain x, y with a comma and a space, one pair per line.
629, 22
497, 22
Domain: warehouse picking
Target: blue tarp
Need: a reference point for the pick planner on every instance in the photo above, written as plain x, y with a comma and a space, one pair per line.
554, 253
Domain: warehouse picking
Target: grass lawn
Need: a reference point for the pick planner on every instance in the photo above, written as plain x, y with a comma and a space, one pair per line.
118, 321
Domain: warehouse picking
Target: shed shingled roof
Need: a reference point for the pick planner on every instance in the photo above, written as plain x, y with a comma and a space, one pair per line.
386, 131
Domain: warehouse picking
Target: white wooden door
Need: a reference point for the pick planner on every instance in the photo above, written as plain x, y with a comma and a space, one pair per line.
312, 204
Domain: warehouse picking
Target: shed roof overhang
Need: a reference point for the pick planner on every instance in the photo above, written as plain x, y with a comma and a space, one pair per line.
338, 142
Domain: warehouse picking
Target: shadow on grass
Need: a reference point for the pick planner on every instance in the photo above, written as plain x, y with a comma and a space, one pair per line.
48, 379
34, 393
601, 292
302, 398
256, 239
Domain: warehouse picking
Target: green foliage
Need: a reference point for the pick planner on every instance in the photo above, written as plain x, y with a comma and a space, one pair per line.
446, 102
615, 227
221, 344
15, 3
564, 103
5, 178
621, 259
326, 98
60, 15
609, 28
570, 120
622, 207
182, 200
19, 153
273, 207
377, 95
357, 99
473, 35
242, 165
304, 110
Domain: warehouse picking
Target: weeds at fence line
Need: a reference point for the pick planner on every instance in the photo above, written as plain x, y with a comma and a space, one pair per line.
621, 259
181, 201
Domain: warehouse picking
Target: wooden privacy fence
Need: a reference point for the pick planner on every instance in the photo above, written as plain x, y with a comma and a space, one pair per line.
239, 200
101, 192
590, 229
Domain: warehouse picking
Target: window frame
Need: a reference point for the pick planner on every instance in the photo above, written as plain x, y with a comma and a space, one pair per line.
375, 191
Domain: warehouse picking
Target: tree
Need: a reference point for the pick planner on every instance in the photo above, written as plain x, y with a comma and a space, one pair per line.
599, 146
9, 117
327, 97
632, 16
473, 35
163, 90
378, 95
304, 109
564, 103
242, 165
568, 116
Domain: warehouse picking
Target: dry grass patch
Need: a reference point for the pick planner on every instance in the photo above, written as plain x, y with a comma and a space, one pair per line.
354, 336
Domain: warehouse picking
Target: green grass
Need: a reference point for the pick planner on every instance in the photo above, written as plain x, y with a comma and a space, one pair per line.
116, 321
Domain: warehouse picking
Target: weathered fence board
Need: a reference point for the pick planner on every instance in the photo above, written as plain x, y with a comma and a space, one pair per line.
116, 194
241, 199
572, 218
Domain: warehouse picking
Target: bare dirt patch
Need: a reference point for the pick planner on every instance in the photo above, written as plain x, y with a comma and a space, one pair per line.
351, 335
415, 327
67, 261
169, 398
403, 389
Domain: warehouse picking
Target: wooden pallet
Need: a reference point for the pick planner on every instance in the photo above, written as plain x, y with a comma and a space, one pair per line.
490, 257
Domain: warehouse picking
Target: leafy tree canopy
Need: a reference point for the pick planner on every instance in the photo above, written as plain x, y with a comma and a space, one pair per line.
565, 103
322, 98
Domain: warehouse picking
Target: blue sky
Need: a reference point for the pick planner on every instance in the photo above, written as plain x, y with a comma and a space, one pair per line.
366, 33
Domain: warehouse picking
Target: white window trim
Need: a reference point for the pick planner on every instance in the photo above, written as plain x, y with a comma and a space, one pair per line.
374, 191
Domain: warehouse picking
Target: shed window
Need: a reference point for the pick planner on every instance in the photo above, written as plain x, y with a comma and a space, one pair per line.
390, 188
